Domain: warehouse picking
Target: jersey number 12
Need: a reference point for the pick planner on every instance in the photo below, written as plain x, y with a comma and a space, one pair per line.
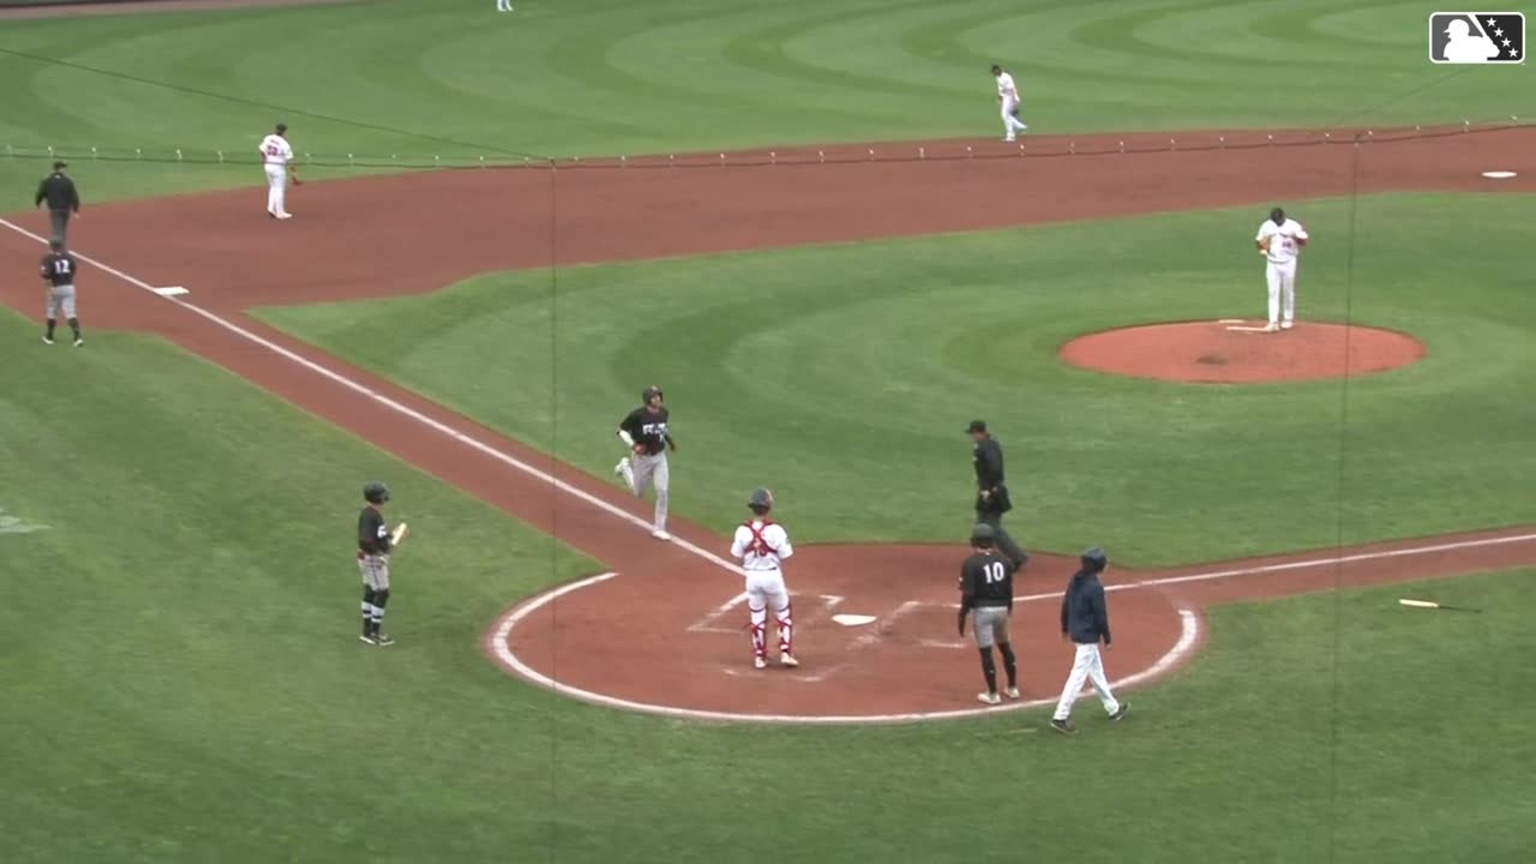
61, 266
994, 571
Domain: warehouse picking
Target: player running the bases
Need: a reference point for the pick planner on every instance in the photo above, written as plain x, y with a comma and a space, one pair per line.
645, 431
763, 545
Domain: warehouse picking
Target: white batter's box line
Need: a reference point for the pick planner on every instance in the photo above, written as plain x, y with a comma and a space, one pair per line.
881, 626
707, 624
943, 643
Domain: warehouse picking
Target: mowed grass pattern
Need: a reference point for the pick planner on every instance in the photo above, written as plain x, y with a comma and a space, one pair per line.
184, 684
843, 377
401, 82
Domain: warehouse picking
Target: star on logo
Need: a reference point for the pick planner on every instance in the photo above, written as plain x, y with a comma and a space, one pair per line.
1492, 22
1506, 43
1498, 32
1514, 52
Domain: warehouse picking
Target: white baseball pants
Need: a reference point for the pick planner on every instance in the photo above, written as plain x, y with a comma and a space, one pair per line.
277, 187
1011, 124
766, 590
1281, 277
1086, 666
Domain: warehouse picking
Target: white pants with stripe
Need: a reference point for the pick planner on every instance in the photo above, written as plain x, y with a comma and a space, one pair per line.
766, 590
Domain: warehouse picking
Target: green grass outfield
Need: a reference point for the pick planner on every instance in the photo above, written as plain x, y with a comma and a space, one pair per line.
844, 375
182, 683
418, 78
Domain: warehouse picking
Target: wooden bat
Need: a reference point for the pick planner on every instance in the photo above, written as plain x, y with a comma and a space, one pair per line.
1425, 604
400, 531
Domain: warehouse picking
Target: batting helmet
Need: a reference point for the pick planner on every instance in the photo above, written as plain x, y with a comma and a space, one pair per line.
375, 493
1095, 560
761, 499
983, 535
651, 392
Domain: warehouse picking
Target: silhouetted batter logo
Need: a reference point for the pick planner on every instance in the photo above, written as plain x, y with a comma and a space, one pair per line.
1477, 37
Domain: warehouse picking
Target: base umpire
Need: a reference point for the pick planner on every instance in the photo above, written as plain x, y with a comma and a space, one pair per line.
992, 499
62, 198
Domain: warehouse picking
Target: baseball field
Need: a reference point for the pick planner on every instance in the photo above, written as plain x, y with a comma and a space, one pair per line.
800, 221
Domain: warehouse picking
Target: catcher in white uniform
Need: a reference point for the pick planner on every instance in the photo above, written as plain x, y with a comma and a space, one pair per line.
1008, 100
762, 545
277, 161
1280, 240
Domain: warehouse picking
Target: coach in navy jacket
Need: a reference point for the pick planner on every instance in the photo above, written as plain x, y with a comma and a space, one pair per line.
1085, 622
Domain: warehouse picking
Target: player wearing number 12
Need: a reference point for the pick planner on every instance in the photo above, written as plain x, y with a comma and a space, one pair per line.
986, 589
58, 270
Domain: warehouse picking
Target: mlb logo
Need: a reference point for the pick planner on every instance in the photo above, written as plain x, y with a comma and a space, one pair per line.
1477, 37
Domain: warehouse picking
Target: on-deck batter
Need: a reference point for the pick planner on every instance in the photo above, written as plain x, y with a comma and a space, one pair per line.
763, 545
1280, 240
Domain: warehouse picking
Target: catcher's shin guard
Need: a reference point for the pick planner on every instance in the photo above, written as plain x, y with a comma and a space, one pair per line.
786, 630
759, 628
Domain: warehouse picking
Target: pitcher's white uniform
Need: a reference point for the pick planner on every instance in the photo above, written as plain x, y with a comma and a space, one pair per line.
763, 545
275, 156
1280, 241
1008, 98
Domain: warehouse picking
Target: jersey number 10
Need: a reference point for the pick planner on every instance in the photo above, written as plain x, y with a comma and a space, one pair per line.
994, 571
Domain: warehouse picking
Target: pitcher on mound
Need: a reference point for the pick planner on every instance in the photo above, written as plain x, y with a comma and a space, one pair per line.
763, 545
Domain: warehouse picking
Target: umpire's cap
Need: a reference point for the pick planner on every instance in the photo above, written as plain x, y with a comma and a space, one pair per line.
56, 245
761, 499
983, 535
977, 426
1094, 560
375, 492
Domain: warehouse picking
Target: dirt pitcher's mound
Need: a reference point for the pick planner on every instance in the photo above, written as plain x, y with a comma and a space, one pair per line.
1232, 352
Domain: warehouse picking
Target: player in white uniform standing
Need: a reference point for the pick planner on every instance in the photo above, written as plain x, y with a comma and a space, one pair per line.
1280, 240
1008, 99
277, 160
762, 545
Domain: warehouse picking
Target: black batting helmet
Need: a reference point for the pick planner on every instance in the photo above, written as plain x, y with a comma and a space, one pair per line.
983, 535
375, 492
651, 392
761, 499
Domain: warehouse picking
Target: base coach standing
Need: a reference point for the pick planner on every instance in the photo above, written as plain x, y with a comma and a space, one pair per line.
63, 200
992, 499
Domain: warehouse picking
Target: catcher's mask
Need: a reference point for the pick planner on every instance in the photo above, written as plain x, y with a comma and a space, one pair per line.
375, 493
983, 536
1094, 560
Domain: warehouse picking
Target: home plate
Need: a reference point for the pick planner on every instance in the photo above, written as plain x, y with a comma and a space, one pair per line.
1498, 175
170, 291
853, 620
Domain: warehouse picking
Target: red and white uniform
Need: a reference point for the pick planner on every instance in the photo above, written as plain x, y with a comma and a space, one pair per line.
1285, 242
763, 545
275, 156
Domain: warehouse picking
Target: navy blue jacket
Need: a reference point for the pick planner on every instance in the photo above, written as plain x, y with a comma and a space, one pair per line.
1084, 615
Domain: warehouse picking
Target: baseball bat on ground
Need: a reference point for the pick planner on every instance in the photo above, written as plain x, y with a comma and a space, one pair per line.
1426, 604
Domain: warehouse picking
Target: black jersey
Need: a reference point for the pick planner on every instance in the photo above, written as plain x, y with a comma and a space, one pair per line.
647, 427
986, 579
987, 456
372, 532
58, 268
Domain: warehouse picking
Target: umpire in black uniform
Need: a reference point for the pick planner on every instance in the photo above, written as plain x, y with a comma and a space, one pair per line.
992, 499
63, 200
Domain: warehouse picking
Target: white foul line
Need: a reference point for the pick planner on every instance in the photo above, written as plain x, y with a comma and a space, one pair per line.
1295, 565
1189, 634
389, 403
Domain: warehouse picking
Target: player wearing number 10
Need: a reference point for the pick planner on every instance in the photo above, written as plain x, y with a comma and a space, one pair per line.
986, 588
